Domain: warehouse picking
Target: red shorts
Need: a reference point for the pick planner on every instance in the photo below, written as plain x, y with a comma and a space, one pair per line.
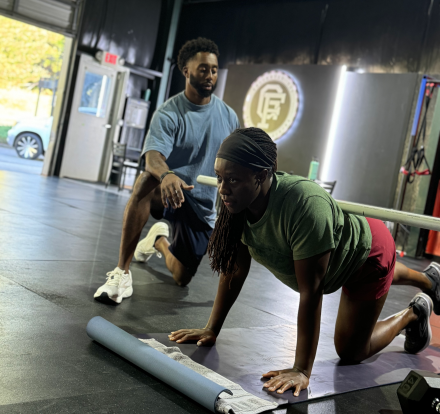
373, 279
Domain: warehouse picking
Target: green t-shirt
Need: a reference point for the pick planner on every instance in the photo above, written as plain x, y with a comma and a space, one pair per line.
303, 220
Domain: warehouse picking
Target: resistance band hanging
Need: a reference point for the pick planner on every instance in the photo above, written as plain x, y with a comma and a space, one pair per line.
417, 155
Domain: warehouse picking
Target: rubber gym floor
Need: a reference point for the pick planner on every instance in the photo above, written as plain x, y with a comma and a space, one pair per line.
58, 239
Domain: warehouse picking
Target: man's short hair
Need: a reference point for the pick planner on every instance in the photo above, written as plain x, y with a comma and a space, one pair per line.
192, 47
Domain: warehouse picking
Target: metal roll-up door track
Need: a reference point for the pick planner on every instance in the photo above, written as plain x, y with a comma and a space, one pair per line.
59, 16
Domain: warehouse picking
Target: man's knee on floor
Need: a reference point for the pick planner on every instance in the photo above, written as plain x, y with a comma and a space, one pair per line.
182, 277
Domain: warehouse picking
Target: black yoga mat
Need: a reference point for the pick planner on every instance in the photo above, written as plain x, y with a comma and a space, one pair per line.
243, 355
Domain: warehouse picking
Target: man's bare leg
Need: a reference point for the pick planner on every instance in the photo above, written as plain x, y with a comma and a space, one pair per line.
136, 216
180, 274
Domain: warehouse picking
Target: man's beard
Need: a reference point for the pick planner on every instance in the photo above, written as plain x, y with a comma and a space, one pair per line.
204, 93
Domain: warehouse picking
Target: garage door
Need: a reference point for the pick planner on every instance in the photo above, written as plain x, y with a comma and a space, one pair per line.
60, 16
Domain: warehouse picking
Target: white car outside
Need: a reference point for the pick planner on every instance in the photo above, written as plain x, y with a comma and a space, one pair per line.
30, 137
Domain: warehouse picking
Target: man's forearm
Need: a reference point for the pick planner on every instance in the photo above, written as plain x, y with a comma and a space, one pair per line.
309, 321
155, 164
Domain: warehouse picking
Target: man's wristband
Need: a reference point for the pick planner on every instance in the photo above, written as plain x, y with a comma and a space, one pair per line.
164, 174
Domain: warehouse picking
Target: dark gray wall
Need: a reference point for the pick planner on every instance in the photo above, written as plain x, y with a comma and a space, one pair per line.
371, 131
127, 28
378, 36
317, 86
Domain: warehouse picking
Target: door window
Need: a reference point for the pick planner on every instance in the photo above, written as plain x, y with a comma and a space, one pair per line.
95, 94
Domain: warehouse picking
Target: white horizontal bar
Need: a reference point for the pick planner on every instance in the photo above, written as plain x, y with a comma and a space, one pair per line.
385, 214
204, 179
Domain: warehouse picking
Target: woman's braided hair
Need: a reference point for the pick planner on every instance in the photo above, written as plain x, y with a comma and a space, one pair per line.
225, 239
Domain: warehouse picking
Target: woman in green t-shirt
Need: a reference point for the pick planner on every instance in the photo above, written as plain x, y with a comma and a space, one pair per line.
295, 229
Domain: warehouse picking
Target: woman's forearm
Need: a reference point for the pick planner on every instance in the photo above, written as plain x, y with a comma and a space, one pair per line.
228, 290
309, 321
227, 293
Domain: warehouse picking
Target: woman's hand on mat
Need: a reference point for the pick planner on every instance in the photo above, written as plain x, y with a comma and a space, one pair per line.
281, 381
204, 336
171, 190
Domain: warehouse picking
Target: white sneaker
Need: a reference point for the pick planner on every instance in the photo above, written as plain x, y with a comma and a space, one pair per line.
145, 248
119, 285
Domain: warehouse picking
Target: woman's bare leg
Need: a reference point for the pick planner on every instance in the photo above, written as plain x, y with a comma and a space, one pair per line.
358, 334
406, 276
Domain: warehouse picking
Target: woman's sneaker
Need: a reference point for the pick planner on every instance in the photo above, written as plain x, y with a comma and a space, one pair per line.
145, 248
418, 333
119, 285
433, 274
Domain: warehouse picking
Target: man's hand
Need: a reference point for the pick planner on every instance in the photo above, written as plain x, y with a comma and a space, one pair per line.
285, 379
171, 190
204, 336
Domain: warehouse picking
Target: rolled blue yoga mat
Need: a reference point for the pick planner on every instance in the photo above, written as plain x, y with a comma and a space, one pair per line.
178, 376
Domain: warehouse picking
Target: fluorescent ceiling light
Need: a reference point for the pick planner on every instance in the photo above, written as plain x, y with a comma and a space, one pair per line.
333, 125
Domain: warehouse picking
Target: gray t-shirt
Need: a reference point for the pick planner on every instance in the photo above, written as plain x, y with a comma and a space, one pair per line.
189, 136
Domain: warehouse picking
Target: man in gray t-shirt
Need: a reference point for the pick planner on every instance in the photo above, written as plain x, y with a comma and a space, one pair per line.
182, 142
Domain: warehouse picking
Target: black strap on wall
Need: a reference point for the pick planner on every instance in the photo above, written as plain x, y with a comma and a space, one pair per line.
417, 155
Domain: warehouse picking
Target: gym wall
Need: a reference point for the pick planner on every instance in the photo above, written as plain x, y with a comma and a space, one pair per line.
128, 29
376, 36
308, 136
367, 155
371, 127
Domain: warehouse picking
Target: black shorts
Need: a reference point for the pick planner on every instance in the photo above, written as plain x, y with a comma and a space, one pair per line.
190, 236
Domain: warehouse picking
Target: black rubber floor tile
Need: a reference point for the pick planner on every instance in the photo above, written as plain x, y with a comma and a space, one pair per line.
35, 241
47, 354
373, 401
159, 399
59, 238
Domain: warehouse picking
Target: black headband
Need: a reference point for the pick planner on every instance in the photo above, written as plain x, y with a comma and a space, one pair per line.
245, 151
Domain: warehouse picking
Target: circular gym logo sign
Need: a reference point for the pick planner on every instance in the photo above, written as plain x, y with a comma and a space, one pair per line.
271, 103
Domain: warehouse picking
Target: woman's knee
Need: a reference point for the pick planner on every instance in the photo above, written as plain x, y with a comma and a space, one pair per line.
350, 352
